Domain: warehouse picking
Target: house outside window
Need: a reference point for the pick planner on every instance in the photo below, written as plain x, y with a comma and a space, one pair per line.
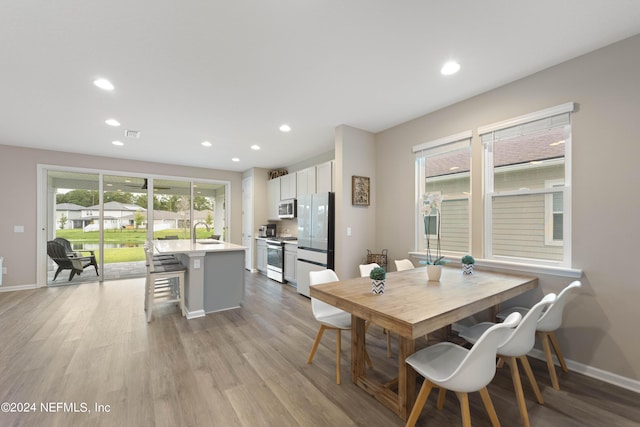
443, 166
527, 187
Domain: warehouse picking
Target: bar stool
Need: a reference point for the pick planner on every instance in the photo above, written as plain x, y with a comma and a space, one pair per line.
162, 275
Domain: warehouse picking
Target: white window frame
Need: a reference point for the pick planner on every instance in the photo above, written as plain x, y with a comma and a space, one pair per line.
490, 193
434, 147
549, 219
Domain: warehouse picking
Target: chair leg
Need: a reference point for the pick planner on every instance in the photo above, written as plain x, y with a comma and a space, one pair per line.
486, 399
315, 343
532, 379
556, 347
149, 297
550, 365
57, 272
517, 385
442, 394
420, 401
464, 408
338, 342
182, 306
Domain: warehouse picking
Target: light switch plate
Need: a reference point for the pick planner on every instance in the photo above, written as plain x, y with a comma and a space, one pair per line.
196, 263
18, 228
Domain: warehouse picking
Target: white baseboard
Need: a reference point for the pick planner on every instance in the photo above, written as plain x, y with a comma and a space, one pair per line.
194, 314
589, 371
18, 288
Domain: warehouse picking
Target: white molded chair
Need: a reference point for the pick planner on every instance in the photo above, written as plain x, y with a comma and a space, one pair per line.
452, 367
516, 348
164, 281
404, 264
365, 269
550, 321
330, 317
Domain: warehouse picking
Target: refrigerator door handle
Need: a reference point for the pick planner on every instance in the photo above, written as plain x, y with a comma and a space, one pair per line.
312, 262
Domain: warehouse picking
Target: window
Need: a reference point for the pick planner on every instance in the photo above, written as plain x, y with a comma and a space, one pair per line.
527, 187
443, 166
554, 214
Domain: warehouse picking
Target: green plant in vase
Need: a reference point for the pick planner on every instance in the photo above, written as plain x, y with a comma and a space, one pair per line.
467, 264
377, 276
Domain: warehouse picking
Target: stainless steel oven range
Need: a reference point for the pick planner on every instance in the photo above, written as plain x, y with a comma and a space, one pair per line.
275, 258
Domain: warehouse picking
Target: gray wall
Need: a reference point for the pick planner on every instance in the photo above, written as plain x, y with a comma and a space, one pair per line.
600, 328
355, 155
18, 173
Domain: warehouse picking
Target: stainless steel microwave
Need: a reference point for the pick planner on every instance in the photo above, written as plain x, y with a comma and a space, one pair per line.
287, 209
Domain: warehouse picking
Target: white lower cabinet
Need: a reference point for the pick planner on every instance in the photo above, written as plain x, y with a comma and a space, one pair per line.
261, 255
290, 258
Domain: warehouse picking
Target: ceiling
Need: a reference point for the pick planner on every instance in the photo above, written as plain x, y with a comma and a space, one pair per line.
231, 72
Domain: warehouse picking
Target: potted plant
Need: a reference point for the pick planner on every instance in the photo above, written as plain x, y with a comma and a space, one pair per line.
467, 264
377, 276
431, 203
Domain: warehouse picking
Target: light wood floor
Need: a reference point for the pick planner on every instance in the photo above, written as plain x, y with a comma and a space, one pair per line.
91, 344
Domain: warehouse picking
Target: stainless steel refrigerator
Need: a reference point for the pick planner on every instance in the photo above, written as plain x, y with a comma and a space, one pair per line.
315, 236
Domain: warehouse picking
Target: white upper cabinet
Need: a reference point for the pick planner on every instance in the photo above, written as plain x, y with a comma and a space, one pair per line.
273, 196
288, 186
324, 177
306, 181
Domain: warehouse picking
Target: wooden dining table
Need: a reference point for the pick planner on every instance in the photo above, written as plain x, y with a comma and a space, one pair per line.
411, 307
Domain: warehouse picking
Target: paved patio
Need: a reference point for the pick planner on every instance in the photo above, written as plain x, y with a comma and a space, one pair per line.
121, 270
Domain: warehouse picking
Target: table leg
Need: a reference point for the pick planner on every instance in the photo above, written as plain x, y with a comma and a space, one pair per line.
357, 348
406, 378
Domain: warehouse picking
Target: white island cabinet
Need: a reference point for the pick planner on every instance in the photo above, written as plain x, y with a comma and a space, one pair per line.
215, 273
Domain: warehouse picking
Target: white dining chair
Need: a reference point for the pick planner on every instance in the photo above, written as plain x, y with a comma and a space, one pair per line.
330, 317
404, 264
365, 269
516, 348
164, 281
550, 321
453, 367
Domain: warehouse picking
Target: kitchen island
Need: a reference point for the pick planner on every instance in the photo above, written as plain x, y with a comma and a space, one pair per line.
214, 280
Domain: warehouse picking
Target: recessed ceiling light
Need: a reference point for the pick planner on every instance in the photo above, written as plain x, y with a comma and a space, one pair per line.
449, 68
103, 84
112, 122
255, 147
235, 159
285, 128
453, 168
119, 143
205, 144
553, 144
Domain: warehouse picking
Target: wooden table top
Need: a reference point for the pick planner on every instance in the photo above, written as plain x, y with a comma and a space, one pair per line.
412, 306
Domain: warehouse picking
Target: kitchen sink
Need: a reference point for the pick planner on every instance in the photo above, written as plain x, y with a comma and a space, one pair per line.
210, 242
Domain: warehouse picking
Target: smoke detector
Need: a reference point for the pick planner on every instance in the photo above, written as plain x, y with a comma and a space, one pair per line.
132, 134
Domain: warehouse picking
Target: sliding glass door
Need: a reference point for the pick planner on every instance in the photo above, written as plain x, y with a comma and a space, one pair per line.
104, 218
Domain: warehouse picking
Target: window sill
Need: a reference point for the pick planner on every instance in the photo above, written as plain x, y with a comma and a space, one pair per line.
513, 266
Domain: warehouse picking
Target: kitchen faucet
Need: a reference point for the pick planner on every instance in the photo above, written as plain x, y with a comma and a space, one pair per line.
193, 236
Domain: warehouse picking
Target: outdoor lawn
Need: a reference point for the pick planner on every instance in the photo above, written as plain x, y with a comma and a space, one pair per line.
130, 239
